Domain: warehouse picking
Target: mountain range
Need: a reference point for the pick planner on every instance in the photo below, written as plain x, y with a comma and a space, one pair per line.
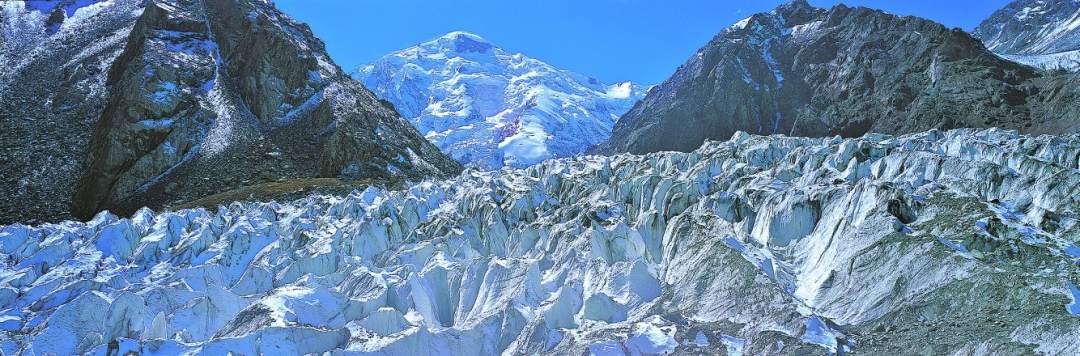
198, 177
489, 108
848, 71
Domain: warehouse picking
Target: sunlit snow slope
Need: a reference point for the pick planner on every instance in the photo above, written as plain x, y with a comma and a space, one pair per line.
1041, 33
489, 108
954, 242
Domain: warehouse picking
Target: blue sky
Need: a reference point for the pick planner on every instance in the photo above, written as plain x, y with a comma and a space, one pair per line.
612, 40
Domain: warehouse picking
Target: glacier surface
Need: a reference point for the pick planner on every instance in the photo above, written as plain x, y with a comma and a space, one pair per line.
756, 245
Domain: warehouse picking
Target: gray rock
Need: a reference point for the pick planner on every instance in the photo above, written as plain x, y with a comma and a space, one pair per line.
805, 71
167, 101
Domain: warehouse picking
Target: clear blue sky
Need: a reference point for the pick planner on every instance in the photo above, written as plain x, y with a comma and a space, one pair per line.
612, 40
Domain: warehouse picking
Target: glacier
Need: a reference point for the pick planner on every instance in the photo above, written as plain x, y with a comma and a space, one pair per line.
755, 245
1064, 61
488, 107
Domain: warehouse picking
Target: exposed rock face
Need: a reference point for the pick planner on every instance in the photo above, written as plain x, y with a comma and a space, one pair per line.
198, 97
1042, 33
52, 81
846, 71
955, 242
489, 108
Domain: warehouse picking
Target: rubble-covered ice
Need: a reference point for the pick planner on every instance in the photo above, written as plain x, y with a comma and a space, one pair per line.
757, 245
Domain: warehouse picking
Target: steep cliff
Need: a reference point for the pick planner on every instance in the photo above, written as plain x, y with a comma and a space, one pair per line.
187, 98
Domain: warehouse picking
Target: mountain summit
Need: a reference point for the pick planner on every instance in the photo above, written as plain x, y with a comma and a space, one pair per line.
1043, 33
804, 71
488, 107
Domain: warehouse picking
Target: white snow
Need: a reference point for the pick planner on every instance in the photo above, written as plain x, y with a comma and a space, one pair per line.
306, 108
1074, 251
83, 10
733, 345
806, 29
1074, 306
621, 91
774, 65
490, 108
221, 135
700, 340
1044, 34
606, 348
22, 30
649, 339
741, 24
1068, 61
818, 332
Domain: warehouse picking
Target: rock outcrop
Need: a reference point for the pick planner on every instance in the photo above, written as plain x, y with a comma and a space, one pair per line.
52, 81
805, 71
957, 242
189, 98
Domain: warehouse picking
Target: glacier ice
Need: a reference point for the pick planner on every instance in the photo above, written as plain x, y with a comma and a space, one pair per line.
756, 245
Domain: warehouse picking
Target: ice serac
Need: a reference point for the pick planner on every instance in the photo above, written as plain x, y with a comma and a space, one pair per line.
488, 107
174, 100
955, 242
805, 71
1041, 33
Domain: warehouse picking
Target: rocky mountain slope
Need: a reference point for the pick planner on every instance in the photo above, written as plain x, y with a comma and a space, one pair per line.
1043, 33
805, 71
120, 104
489, 108
958, 242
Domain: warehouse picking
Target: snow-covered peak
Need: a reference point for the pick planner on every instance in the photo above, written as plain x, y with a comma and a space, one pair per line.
1044, 33
741, 24
450, 45
69, 7
489, 107
622, 90
462, 35
459, 42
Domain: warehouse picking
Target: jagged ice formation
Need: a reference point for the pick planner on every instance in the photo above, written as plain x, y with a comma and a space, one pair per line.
962, 241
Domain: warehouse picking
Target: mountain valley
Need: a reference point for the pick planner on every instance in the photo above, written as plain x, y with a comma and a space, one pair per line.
199, 177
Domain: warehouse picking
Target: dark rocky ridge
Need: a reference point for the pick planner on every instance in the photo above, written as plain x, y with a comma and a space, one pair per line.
53, 90
846, 71
198, 98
